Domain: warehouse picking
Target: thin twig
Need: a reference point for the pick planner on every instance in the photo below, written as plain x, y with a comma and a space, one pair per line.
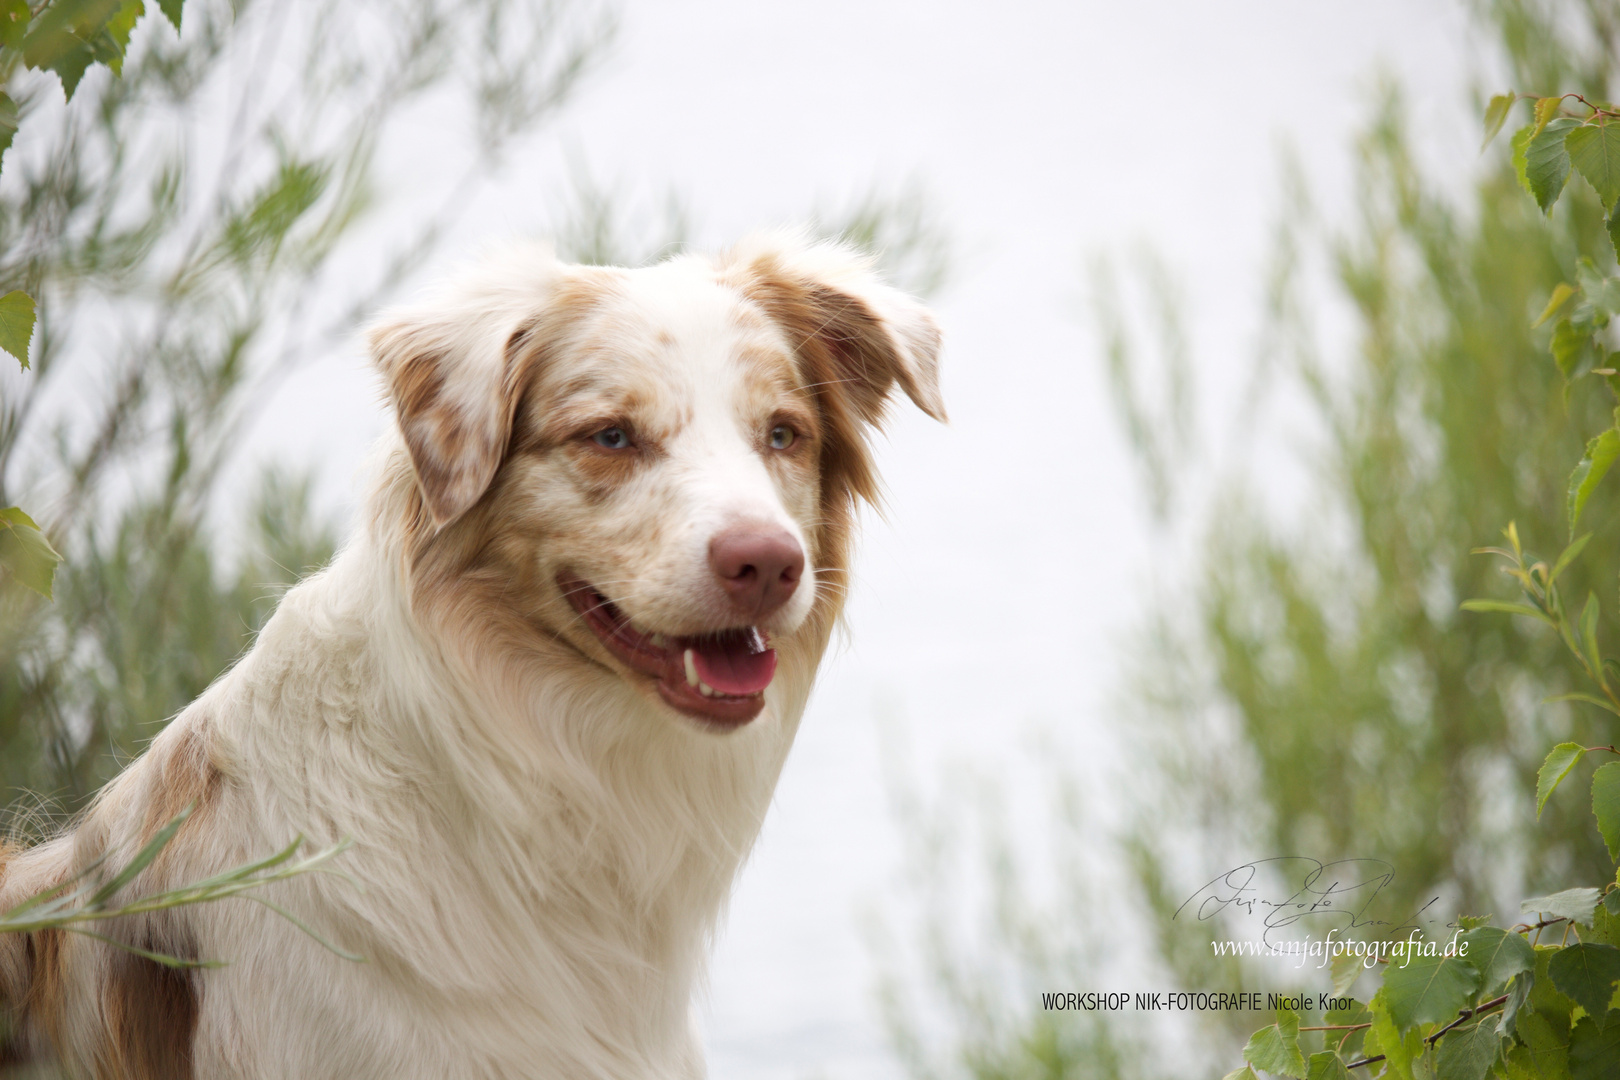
1463, 1016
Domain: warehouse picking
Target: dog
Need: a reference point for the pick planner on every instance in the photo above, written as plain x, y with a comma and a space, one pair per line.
546, 690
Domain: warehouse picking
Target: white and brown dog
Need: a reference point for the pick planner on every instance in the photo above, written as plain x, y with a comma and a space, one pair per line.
546, 689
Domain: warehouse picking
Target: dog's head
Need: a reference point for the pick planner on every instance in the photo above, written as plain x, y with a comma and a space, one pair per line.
657, 467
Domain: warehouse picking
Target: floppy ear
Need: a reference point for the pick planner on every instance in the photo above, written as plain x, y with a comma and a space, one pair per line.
449, 371
841, 316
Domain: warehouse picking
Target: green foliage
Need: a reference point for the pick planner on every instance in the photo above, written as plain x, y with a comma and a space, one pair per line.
1587, 973
181, 272
1315, 688
1594, 1048
902, 230
1428, 989
1387, 1040
1326, 1065
1593, 466
1595, 153
8, 124
1469, 1052
1345, 970
64, 36
599, 225
1606, 805
16, 324
1546, 162
1542, 1032
67, 36
28, 557
1560, 762
1498, 956
1275, 1049
1434, 1015
1161, 439
1496, 114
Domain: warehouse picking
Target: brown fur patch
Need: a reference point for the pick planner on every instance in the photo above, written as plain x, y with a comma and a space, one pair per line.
32, 982
150, 1010
186, 776
13, 947
33, 998
151, 1016
147, 1012
454, 454
846, 360
416, 394
602, 470
416, 382
47, 985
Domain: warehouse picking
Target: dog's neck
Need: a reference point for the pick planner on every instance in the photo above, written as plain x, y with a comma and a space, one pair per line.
578, 830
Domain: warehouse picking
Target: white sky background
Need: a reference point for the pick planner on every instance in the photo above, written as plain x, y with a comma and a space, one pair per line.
998, 595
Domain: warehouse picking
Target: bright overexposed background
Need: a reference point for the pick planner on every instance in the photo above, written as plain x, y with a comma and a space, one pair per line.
995, 597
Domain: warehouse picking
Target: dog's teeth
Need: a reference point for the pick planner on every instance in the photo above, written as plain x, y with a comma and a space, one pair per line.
658, 640
706, 689
691, 669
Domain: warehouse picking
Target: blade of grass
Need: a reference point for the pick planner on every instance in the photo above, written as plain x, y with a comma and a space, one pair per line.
1590, 699
144, 857
156, 957
290, 917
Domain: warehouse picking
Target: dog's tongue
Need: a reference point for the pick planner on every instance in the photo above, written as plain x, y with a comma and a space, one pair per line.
734, 663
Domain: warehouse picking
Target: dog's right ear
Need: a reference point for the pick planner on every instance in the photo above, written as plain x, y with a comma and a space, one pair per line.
849, 328
450, 375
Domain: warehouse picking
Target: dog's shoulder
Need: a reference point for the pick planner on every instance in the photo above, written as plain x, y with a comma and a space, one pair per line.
77, 998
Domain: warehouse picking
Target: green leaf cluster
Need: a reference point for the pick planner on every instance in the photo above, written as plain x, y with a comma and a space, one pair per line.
1500, 1007
1558, 1002
68, 36
1545, 153
1319, 690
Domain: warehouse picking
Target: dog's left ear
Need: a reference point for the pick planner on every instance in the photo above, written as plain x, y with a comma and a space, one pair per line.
450, 374
851, 329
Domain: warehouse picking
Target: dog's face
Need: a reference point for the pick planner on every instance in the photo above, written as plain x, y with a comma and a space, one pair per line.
656, 466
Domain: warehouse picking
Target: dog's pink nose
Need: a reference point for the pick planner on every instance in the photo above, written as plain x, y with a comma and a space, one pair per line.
759, 566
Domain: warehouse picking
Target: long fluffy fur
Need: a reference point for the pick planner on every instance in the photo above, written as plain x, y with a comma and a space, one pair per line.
540, 848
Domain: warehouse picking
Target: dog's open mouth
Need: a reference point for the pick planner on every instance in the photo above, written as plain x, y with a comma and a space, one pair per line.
719, 678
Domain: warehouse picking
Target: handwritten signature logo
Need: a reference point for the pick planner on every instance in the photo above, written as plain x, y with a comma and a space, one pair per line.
1288, 889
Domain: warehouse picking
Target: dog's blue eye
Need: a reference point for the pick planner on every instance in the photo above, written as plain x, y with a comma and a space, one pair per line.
782, 437
611, 438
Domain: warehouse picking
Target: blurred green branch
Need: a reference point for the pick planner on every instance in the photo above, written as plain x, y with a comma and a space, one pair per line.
86, 898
